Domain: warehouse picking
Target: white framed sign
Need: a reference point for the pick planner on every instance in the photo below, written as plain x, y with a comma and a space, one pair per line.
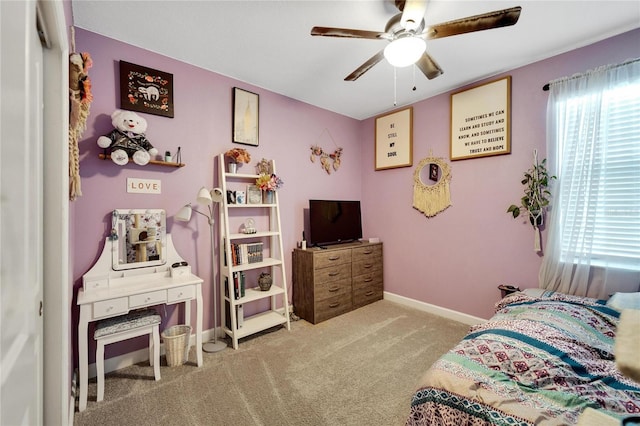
481, 120
394, 139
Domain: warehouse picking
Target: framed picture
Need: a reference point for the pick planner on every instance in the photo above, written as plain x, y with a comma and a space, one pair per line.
394, 139
433, 172
147, 90
481, 120
254, 195
245, 117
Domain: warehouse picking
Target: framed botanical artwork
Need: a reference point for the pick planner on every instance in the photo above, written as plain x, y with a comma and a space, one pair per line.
481, 120
245, 117
394, 139
147, 90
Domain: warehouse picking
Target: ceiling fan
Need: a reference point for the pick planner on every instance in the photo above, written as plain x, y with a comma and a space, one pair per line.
406, 33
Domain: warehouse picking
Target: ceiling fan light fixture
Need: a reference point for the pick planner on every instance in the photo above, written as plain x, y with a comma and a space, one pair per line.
404, 51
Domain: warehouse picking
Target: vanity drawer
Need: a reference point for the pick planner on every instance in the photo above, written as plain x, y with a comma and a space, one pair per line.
180, 294
111, 307
148, 299
332, 307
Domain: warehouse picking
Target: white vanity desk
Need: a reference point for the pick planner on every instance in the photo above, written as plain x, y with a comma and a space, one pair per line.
108, 293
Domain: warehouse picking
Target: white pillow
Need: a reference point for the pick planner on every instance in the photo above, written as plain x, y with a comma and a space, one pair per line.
620, 301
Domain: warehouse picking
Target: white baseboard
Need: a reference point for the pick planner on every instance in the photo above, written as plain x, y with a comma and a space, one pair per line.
433, 309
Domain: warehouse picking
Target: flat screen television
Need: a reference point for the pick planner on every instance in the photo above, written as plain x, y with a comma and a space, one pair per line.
334, 221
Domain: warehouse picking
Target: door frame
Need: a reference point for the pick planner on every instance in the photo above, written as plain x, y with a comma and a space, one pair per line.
59, 400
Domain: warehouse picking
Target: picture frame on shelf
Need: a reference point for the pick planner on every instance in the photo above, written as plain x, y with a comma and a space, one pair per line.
144, 89
481, 120
394, 139
241, 197
246, 109
254, 195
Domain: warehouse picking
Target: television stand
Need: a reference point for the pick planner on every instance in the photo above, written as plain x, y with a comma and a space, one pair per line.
333, 280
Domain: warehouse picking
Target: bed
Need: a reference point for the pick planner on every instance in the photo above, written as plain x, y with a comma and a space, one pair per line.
541, 359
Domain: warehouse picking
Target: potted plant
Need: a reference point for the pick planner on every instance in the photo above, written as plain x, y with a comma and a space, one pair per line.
236, 156
268, 183
536, 196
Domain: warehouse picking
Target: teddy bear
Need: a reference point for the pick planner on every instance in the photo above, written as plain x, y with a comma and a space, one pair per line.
128, 139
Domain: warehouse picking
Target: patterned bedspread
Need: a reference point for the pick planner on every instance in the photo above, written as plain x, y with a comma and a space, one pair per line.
538, 360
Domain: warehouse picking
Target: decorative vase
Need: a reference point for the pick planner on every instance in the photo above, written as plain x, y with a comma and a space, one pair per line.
268, 197
264, 281
233, 167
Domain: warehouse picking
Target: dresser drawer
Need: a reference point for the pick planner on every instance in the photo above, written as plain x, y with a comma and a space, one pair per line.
367, 252
367, 266
111, 307
330, 289
366, 280
367, 294
332, 307
332, 273
148, 299
180, 294
331, 257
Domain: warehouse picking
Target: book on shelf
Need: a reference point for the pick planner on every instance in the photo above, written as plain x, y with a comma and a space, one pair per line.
246, 253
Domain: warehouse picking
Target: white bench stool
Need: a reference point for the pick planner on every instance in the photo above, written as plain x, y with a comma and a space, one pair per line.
117, 329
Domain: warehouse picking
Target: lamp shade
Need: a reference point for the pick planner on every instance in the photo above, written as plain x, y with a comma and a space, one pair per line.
204, 196
184, 214
404, 51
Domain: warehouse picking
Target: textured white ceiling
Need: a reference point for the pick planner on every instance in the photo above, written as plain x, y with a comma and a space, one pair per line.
267, 43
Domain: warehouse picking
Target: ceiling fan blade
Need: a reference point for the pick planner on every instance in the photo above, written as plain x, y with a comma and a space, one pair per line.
347, 33
485, 21
429, 66
365, 67
412, 13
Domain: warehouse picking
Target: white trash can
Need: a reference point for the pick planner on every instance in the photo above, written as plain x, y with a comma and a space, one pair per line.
176, 344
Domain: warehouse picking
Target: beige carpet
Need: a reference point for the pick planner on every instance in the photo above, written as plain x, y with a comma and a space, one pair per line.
360, 368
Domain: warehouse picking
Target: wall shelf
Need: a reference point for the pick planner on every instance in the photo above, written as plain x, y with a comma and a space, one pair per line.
156, 162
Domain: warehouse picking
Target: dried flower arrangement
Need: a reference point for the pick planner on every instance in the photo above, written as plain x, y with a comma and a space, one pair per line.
238, 155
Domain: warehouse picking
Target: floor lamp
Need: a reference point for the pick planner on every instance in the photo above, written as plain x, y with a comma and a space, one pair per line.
210, 199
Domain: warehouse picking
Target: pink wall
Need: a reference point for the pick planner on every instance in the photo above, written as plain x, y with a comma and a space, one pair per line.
454, 260
458, 258
202, 128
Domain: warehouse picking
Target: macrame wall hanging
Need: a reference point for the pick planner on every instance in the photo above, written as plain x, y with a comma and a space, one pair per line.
432, 199
80, 98
327, 161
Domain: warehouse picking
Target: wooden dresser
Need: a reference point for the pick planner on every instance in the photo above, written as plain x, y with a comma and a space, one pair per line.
329, 282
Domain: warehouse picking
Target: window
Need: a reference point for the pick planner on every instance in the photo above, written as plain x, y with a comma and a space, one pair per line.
598, 162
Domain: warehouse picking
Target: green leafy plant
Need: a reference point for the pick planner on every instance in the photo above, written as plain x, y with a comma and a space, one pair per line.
535, 201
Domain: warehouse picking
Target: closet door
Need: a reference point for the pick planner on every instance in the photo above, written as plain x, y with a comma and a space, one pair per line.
21, 201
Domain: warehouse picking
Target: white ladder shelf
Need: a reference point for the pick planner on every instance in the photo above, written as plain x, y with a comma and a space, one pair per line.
278, 312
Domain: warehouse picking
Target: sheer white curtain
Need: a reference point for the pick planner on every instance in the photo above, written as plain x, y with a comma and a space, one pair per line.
593, 147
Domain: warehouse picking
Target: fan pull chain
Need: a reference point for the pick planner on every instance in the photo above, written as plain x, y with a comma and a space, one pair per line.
395, 89
413, 68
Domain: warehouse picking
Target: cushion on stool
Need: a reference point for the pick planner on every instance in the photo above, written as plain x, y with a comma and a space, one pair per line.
126, 322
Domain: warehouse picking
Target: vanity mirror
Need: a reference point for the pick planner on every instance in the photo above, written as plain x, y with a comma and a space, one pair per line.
139, 238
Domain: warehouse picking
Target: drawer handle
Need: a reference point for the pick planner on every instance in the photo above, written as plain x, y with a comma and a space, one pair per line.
333, 274
368, 265
147, 299
334, 258
333, 289
368, 280
334, 305
369, 293
180, 294
110, 308
368, 252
